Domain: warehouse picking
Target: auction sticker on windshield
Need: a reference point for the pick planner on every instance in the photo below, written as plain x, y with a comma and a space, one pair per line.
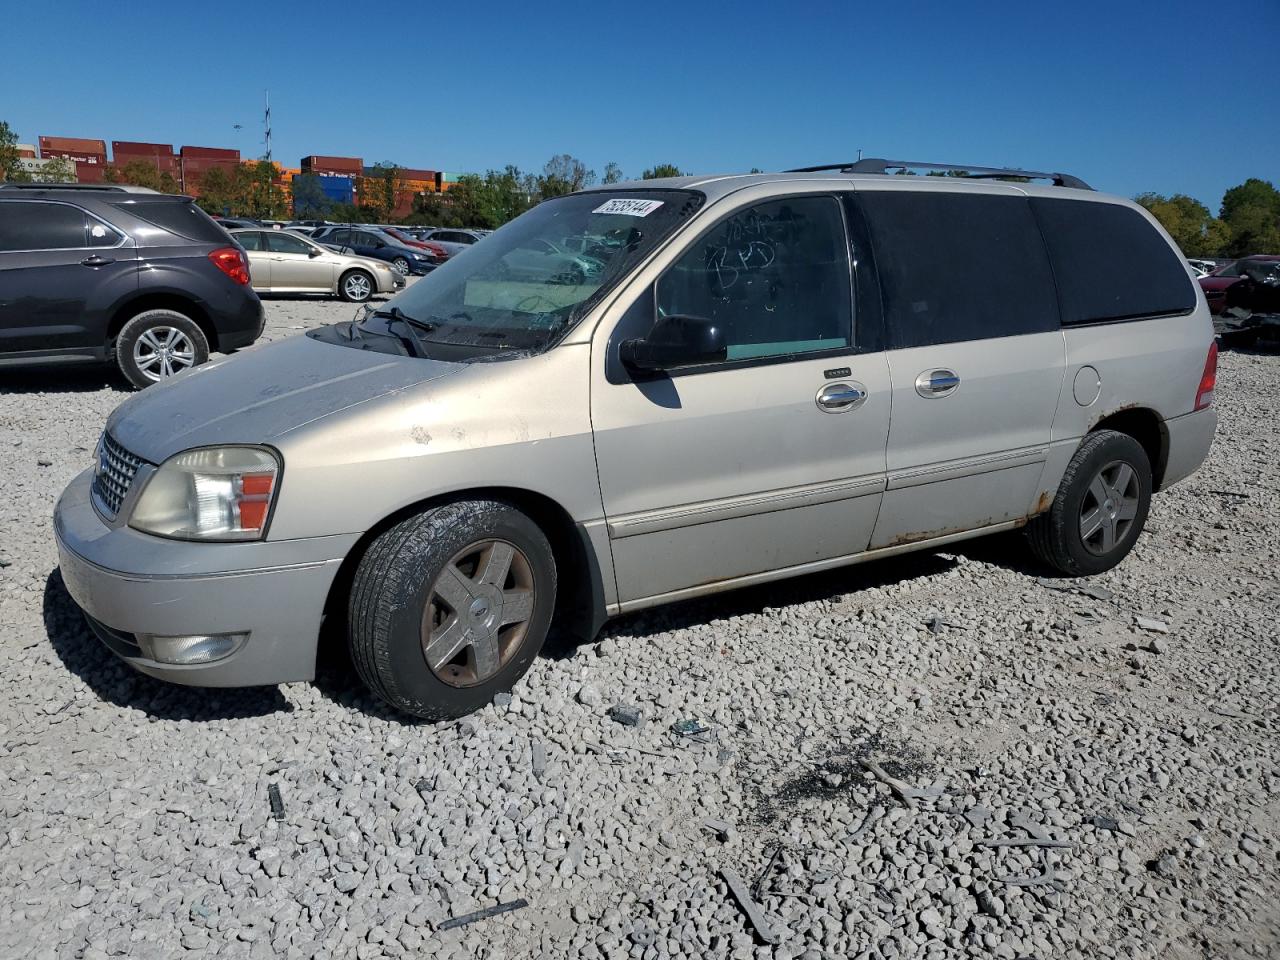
632, 208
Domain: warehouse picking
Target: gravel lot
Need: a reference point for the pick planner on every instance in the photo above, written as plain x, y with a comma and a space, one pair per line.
137, 819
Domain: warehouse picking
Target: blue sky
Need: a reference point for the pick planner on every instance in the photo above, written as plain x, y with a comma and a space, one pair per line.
1128, 98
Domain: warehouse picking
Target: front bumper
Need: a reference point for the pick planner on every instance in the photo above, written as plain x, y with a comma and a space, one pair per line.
129, 583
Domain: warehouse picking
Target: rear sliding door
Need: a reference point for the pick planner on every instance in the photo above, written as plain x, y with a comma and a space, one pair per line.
976, 357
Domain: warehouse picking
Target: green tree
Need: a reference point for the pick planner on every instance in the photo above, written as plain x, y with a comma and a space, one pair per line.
1196, 232
10, 169
1252, 213
139, 173
216, 193
388, 184
661, 170
563, 174
612, 173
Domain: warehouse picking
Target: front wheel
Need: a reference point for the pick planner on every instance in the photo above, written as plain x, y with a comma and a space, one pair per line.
156, 344
356, 286
450, 606
401, 265
1100, 509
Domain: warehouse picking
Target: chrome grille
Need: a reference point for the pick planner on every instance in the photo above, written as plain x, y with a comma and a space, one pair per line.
113, 474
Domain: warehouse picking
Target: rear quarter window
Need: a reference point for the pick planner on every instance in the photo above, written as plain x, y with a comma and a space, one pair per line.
182, 218
959, 266
1110, 263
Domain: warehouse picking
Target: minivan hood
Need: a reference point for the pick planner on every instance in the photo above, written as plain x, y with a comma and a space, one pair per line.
258, 396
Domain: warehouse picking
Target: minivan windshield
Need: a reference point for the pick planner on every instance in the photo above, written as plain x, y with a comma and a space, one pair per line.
526, 284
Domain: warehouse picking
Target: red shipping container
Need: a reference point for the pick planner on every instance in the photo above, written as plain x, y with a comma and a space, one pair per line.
69, 146
91, 172
210, 153
344, 166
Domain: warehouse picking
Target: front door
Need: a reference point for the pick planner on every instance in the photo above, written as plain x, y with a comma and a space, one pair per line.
976, 358
60, 268
769, 460
292, 265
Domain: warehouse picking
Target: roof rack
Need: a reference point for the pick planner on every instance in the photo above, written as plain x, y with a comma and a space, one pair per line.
871, 165
107, 187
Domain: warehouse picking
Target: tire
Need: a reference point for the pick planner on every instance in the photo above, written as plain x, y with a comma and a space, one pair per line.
356, 286
156, 344
398, 609
1117, 462
402, 266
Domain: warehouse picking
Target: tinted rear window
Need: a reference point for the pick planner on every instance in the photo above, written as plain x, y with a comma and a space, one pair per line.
959, 266
179, 217
1110, 263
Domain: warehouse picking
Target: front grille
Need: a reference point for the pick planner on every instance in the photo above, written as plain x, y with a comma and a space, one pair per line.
113, 475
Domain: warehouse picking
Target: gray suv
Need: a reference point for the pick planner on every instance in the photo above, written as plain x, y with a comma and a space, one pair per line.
118, 274
768, 375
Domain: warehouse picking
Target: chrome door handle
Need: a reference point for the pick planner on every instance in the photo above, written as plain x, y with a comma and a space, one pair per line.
841, 397
96, 261
933, 384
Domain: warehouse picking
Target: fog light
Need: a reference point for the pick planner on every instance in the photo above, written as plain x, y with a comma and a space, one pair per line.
197, 648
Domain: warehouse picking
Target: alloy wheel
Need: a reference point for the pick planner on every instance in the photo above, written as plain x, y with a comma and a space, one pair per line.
1109, 507
478, 612
163, 351
357, 287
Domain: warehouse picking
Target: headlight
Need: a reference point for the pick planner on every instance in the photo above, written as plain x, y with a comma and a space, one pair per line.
419, 256
217, 493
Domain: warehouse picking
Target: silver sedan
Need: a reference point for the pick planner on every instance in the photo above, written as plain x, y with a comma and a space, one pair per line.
281, 261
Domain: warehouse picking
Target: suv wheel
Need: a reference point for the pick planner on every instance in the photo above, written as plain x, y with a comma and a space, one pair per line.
1100, 509
401, 265
157, 344
356, 286
450, 607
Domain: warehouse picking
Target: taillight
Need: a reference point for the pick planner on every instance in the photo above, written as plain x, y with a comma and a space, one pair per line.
231, 262
1204, 395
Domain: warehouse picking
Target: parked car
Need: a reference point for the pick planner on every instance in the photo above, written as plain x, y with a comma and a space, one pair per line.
453, 241
540, 257
114, 274
732, 399
1215, 284
1252, 304
436, 250
236, 223
281, 261
371, 242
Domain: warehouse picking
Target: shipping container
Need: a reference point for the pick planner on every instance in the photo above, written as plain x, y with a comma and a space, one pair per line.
210, 153
27, 150
90, 172
348, 166
72, 147
136, 148
311, 192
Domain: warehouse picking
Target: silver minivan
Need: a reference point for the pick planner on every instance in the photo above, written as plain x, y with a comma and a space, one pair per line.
722, 381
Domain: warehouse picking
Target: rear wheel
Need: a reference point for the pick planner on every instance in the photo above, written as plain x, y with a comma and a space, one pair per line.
1100, 509
450, 607
156, 344
356, 286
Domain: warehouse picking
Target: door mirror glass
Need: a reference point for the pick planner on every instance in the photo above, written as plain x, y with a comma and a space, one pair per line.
675, 342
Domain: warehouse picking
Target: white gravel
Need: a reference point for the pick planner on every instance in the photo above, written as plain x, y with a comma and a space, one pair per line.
135, 818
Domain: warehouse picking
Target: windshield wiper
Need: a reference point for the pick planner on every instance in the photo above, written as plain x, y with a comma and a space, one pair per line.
412, 324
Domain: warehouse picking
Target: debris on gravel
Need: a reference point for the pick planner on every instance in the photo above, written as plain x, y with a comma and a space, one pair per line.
136, 817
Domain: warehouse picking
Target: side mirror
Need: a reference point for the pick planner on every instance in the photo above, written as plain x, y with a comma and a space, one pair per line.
312, 252
675, 342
